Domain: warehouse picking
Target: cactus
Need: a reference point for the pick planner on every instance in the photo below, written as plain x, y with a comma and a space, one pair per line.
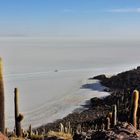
107, 123
110, 118
65, 129
134, 108
18, 116
43, 131
30, 131
103, 126
114, 116
78, 129
2, 112
71, 131
96, 127
61, 127
36, 132
69, 127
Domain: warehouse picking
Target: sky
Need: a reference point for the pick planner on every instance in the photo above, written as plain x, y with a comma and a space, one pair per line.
70, 18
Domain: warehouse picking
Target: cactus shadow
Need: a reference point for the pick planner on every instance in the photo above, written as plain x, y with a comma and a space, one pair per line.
93, 86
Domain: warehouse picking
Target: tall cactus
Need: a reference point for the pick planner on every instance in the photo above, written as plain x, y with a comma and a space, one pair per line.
114, 115
110, 118
2, 108
134, 108
107, 126
18, 116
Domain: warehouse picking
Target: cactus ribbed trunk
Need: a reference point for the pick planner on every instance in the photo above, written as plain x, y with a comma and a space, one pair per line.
134, 108
2, 108
17, 123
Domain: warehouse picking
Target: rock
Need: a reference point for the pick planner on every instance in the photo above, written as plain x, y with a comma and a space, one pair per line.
121, 131
100, 77
138, 68
96, 101
107, 90
125, 127
77, 136
137, 133
129, 79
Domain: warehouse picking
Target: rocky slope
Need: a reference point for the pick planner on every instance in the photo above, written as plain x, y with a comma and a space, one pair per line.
128, 80
91, 120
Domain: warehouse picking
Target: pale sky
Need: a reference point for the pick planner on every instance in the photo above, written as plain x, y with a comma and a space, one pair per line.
70, 18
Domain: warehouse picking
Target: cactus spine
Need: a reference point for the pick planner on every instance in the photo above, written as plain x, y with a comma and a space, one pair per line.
134, 108
18, 116
2, 108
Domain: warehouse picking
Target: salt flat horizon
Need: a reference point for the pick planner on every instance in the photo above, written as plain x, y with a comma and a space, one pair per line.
50, 78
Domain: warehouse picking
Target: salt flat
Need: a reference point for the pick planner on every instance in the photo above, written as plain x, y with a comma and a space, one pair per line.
50, 78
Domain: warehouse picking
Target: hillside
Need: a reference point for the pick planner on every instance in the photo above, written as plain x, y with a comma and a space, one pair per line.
128, 80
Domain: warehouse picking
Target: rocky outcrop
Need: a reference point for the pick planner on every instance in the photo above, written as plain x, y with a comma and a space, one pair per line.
122, 131
99, 77
125, 80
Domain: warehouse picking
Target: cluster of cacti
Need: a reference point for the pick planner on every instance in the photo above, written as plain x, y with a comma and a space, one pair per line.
109, 122
2, 111
111, 119
18, 116
65, 129
28, 134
